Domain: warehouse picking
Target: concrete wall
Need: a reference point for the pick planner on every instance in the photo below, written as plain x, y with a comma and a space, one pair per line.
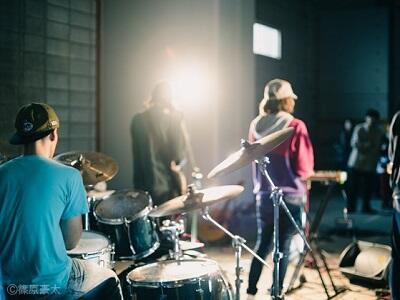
142, 41
47, 53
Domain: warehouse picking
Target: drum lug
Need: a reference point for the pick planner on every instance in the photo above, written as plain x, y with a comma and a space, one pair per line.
112, 254
199, 294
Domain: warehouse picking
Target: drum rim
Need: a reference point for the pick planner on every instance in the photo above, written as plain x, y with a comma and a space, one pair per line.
109, 245
144, 253
119, 221
174, 283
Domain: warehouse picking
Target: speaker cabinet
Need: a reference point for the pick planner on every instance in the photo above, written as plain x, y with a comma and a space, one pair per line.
365, 262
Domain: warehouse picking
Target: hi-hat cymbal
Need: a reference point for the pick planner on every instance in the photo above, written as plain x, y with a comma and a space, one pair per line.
197, 200
94, 166
8, 151
250, 152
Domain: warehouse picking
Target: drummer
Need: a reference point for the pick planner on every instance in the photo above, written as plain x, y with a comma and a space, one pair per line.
41, 203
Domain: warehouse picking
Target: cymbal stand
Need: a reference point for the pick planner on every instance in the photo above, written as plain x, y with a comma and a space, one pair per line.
90, 201
237, 243
277, 199
197, 176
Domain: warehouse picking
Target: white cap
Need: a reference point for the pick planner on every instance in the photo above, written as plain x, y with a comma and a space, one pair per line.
278, 89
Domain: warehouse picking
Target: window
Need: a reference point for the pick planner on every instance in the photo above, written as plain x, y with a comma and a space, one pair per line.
267, 41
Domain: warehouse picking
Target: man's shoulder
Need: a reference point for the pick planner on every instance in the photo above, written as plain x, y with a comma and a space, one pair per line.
40, 164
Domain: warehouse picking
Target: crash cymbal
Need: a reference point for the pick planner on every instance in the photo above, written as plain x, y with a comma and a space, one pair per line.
196, 200
94, 166
250, 152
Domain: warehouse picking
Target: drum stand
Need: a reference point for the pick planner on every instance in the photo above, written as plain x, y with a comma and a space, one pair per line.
237, 244
90, 201
277, 199
174, 229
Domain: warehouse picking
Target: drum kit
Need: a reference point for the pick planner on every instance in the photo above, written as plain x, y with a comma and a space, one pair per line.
124, 225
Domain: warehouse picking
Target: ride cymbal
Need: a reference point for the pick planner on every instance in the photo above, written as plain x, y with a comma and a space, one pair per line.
197, 200
250, 152
94, 166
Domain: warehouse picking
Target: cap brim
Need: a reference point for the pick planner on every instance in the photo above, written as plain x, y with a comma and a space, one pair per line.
17, 139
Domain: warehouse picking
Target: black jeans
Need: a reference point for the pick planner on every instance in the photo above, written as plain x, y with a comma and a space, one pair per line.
394, 280
360, 182
264, 244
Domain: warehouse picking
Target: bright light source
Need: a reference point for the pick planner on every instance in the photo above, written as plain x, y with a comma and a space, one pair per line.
191, 86
267, 41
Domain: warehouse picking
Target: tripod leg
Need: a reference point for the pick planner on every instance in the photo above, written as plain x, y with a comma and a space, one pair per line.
276, 288
320, 275
322, 256
283, 204
296, 272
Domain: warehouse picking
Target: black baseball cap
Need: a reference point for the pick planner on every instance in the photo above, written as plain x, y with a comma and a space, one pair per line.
33, 122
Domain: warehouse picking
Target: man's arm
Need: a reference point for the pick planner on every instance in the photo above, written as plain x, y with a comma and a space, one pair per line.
71, 230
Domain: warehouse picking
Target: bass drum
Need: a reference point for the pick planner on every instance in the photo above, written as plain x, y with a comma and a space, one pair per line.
188, 279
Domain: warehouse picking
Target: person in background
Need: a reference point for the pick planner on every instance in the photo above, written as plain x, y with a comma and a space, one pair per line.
291, 163
343, 146
385, 191
41, 207
365, 143
160, 147
394, 156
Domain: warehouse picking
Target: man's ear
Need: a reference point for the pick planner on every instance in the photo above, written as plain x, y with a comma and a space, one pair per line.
53, 135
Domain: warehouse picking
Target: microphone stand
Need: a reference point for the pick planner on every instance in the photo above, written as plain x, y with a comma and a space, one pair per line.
277, 200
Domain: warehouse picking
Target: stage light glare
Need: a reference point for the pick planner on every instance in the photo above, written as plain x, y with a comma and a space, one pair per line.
191, 87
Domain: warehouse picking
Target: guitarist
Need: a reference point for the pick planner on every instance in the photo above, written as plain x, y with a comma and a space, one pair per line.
160, 147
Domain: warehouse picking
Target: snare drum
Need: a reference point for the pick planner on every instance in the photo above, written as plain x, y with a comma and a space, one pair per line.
95, 247
188, 279
123, 218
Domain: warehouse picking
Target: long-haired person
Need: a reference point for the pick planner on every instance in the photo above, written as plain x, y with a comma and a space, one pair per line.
290, 164
160, 146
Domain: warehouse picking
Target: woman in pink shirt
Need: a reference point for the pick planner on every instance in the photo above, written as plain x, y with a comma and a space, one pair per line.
290, 164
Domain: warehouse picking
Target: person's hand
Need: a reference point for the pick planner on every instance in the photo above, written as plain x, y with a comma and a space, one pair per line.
196, 174
174, 167
389, 168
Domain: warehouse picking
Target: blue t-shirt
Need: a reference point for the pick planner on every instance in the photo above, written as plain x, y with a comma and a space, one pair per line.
35, 195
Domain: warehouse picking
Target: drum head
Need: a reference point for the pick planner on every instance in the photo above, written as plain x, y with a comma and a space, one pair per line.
173, 271
90, 242
123, 204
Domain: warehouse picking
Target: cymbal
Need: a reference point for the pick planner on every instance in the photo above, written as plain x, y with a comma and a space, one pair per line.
250, 152
94, 166
197, 200
186, 245
100, 194
8, 151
